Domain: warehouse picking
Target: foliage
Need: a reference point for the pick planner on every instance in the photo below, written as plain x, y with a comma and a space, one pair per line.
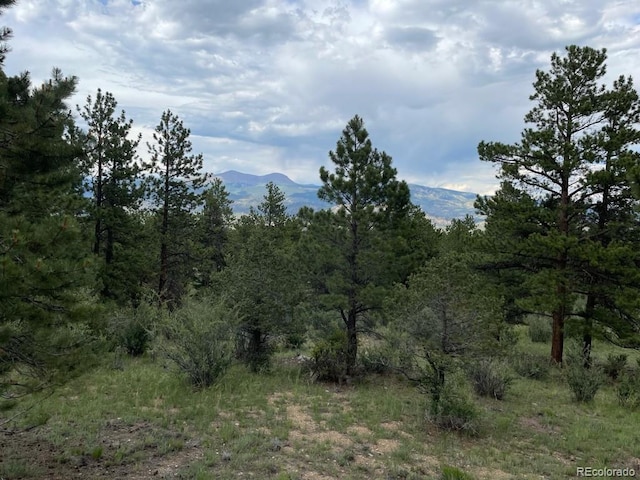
447, 317
453, 473
628, 389
614, 365
564, 216
213, 231
175, 184
448, 309
45, 266
198, 339
453, 408
294, 340
490, 379
329, 358
370, 202
539, 329
375, 359
131, 328
262, 279
111, 169
584, 382
531, 365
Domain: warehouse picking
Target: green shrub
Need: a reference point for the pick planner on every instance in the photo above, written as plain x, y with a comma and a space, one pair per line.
295, 340
374, 360
490, 379
254, 348
453, 473
539, 330
529, 365
628, 389
198, 341
584, 382
329, 358
130, 328
453, 408
614, 365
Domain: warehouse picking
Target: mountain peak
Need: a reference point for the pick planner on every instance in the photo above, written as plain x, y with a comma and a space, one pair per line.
235, 177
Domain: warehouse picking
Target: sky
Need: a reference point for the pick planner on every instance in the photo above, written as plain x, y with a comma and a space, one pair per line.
268, 85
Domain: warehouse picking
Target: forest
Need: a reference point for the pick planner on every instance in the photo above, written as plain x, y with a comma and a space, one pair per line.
111, 264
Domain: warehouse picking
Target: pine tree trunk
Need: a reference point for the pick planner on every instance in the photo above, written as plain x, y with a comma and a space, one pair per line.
98, 194
588, 325
164, 229
557, 337
352, 341
255, 352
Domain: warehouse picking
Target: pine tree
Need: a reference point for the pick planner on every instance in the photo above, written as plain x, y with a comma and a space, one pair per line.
112, 166
559, 175
176, 184
262, 280
369, 199
44, 263
214, 227
613, 232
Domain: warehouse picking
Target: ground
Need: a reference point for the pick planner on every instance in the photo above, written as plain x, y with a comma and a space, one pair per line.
140, 420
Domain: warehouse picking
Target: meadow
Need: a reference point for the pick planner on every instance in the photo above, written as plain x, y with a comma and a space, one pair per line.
135, 418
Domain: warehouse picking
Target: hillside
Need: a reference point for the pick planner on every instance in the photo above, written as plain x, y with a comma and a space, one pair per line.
439, 204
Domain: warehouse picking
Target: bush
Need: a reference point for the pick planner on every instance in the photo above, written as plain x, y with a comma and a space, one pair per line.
453, 473
454, 409
199, 341
539, 330
295, 340
374, 360
490, 379
530, 365
614, 365
130, 328
329, 358
584, 382
254, 348
628, 390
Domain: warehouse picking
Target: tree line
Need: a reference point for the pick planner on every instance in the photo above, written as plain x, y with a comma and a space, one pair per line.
87, 227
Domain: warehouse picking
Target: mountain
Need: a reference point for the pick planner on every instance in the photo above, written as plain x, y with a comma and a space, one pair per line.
239, 178
439, 204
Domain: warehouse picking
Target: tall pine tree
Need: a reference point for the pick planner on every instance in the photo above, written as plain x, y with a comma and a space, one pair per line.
176, 184
44, 259
368, 199
556, 206
112, 169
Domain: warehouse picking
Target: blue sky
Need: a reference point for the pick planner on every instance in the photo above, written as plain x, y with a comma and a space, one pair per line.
268, 85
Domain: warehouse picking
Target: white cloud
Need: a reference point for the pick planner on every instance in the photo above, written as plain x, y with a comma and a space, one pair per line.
268, 85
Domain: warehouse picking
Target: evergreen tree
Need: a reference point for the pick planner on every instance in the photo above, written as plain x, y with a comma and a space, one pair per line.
369, 199
262, 279
448, 316
112, 167
44, 262
214, 225
614, 231
559, 175
176, 184
5, 32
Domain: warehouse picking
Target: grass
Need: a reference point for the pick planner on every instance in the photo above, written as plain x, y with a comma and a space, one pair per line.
143, 420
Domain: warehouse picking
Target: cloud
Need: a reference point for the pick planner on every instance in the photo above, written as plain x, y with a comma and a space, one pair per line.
268, 85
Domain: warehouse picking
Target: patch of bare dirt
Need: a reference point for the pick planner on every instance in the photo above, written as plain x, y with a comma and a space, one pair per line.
385, 446
535, 424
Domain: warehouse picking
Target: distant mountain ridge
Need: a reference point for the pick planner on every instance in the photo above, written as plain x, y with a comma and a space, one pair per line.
239, 178
441, 205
